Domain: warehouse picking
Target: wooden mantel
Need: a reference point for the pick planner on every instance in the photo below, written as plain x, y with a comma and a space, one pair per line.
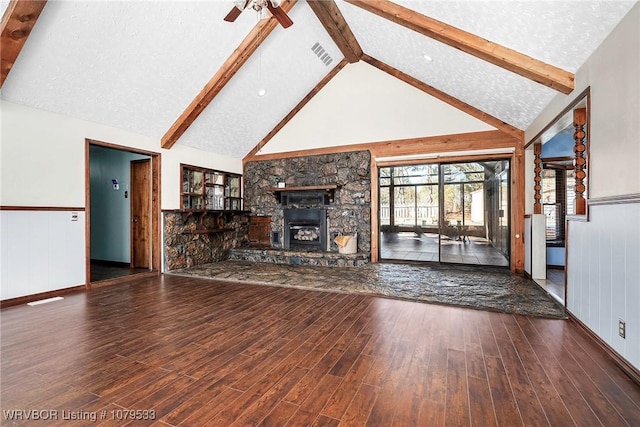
324, 192
326, 187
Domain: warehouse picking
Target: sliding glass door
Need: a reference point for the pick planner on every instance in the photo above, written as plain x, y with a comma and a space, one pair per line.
409, 212
454, 212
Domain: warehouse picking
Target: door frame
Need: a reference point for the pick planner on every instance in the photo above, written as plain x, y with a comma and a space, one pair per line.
155, 211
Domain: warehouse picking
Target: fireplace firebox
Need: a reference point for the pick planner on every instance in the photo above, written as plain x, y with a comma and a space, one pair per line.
305, 229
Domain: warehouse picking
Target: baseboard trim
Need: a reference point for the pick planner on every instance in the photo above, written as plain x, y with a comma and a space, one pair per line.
43, 295
632, 372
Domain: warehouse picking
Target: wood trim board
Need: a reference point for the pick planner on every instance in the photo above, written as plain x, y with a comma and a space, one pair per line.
42, 208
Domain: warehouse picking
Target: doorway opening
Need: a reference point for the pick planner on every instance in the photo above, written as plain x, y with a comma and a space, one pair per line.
446, 212
563, 150
558, 192
123, 232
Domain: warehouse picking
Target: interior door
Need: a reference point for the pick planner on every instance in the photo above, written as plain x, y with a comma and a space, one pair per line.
141, 238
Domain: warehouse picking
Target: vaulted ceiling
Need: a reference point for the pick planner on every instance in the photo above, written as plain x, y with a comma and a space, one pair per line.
177, 72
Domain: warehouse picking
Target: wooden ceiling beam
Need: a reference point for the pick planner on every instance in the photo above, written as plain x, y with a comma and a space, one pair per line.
334, 23
293, 112
465, 143
454, 102
526, 66
231, 66
17, 22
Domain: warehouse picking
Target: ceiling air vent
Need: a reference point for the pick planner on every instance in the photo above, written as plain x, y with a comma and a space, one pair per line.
321, 53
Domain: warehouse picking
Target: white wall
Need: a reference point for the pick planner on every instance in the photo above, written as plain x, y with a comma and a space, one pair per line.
363, 104
603, 254
42, 164
52, 147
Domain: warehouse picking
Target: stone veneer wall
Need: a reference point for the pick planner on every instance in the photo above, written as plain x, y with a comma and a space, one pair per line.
351, 210
186, 245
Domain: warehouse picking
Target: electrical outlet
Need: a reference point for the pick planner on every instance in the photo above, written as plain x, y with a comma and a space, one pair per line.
622, 326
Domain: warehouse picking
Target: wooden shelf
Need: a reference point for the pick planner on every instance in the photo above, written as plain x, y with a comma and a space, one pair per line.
326, 187
324, 194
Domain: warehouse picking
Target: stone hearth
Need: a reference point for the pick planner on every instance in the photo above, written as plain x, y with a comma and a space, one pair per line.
298, 257
483, 288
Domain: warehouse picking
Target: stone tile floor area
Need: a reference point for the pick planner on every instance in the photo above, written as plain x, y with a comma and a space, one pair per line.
482, 288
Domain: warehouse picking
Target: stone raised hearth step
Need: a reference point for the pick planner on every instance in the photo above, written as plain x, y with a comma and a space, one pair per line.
293, 257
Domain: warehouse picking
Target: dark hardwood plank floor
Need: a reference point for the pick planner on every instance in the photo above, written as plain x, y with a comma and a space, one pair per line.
104, 271
185, 351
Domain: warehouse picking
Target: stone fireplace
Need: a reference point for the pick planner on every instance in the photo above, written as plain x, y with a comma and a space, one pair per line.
305, 229
310, 200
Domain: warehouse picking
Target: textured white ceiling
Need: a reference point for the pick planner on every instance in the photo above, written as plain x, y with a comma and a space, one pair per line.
286, 67
136, 65
561, 33
503, 94
133, 65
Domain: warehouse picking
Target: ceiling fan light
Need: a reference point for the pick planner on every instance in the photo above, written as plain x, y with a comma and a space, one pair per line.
276, 3
264, 13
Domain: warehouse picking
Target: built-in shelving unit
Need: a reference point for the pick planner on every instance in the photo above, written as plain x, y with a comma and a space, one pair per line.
208, 190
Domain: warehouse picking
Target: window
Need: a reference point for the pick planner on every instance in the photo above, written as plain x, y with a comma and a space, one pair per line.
557, 200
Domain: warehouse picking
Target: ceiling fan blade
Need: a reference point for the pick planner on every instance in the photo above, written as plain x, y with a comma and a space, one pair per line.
280, 15
240, 5
233, 15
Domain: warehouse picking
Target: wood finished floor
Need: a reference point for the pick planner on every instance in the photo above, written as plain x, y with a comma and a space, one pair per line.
200, 352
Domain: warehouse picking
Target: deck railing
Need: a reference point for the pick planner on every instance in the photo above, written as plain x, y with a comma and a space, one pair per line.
410, 215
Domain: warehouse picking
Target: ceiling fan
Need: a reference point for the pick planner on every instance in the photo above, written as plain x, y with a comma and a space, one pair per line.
262, 7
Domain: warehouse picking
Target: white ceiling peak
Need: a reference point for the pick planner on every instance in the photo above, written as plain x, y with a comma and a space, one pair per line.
363, 104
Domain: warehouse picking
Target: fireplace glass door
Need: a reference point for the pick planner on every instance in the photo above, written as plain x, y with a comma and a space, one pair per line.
305, 229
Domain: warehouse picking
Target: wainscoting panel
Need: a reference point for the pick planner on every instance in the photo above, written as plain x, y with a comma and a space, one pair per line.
603, 275
42, 251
